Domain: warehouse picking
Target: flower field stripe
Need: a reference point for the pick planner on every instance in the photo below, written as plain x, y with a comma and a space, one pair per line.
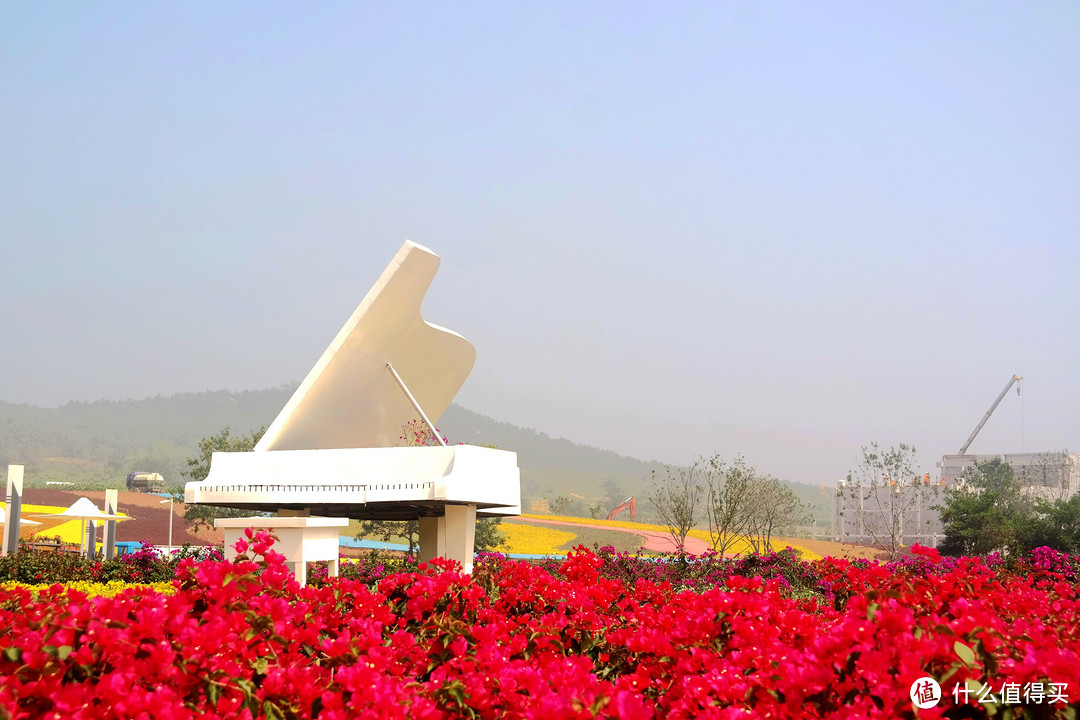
740, 546
96, 589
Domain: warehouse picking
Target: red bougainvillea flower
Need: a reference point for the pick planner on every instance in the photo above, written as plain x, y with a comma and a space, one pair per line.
589, 638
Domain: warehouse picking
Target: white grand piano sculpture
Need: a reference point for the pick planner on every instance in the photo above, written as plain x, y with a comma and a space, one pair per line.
331, 452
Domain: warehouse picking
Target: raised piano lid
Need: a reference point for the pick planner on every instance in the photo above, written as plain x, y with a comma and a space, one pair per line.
349, 399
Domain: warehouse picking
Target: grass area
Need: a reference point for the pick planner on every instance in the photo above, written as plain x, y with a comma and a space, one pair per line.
598, 537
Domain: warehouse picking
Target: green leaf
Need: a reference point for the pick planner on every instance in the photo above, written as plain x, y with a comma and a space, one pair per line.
964, 653
12, 654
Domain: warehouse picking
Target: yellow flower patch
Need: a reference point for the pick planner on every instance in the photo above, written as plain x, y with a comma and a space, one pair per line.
532, 539
601, 523
92, 589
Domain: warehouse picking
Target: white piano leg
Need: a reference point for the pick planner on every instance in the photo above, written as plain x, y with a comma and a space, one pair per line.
333, 569
299, 569
432, 538
461, 534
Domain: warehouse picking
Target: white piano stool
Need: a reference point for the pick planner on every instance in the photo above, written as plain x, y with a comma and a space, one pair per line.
300, 539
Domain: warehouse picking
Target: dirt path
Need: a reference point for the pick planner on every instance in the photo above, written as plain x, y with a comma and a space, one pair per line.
655, 540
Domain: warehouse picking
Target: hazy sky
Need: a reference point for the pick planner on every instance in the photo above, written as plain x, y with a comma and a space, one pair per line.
669, 229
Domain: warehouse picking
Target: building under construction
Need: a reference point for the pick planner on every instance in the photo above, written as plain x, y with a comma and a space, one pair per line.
909, 509
1049, 475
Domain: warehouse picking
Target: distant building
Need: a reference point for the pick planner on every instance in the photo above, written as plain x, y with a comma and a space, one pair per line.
863, 515
1050, 475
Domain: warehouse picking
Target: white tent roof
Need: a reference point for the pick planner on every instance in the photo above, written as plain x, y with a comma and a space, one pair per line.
3, 519
81, 509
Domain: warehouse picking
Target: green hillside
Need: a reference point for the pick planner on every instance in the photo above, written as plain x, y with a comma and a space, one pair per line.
553, 467
96, 444
101, 442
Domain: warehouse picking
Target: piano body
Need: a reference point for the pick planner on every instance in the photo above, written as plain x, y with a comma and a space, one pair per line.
334, 451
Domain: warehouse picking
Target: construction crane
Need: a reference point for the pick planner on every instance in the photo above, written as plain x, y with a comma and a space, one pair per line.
1013, 379
629, 502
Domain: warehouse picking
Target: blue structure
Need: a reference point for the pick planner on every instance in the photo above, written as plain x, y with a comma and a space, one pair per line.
127, 547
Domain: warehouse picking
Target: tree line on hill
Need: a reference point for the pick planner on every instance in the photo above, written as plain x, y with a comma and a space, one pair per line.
95, 445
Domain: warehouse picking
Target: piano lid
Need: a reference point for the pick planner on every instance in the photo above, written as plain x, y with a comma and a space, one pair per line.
350, 399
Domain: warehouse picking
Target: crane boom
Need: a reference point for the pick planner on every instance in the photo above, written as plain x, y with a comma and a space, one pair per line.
1013, 379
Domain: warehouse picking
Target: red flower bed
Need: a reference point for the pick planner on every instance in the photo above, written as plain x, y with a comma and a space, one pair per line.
241, 640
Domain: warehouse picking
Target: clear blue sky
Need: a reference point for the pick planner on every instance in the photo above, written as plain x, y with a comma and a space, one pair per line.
780, 229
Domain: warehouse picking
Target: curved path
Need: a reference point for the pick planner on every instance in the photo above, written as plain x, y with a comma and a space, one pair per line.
655, 540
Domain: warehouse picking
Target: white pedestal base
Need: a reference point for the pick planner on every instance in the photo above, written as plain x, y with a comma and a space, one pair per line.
300, 539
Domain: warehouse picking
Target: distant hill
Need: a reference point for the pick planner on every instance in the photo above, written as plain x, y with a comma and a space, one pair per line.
552, 467
105, 440
96, 444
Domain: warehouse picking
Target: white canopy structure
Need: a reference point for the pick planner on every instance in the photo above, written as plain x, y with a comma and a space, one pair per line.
3, 519
83, 509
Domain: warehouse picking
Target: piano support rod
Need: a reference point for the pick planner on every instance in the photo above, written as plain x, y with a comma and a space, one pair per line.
423, 415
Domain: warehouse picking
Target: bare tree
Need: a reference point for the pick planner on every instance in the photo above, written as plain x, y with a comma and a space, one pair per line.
775, 507
676, 498
881, 492
744, 504
727, 500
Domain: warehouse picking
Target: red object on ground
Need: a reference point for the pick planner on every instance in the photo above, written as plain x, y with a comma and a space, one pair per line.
627, 503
